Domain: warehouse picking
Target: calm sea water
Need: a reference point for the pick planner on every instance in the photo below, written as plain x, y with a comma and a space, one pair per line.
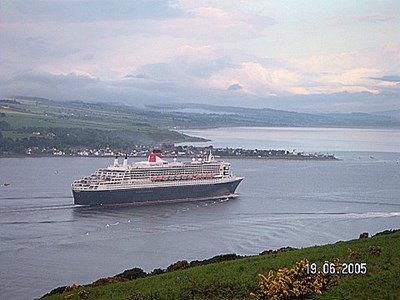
302, 139
47, 242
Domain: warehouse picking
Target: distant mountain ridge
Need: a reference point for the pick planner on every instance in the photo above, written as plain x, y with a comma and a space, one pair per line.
195, 115
395, 114
225, 116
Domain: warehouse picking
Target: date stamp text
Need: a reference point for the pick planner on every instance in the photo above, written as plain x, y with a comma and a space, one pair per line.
330, 268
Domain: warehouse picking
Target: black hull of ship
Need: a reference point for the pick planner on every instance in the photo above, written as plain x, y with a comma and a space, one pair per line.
161, 194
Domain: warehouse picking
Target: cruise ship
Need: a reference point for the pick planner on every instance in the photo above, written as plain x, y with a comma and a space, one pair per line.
157, 181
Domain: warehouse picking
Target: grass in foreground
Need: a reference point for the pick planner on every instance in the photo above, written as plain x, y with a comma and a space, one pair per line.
238, 278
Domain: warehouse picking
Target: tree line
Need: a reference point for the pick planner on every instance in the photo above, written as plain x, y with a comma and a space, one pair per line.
59, 138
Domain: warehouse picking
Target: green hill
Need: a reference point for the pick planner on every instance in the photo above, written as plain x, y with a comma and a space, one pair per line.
238, 277
35, 124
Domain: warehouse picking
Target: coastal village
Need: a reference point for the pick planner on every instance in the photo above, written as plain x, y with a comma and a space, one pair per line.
174, 151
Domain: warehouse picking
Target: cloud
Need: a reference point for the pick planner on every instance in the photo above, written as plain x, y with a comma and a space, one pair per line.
53, 80
87, 10
353, 72
334, 102
55, 86
202, 51
235, 87
352, 80
137, 76
388, 78
129, 91
211, 24
88, 56
378, 17
256, 79
184, 68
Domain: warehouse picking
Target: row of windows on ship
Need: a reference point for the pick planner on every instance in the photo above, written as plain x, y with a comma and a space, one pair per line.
150, 173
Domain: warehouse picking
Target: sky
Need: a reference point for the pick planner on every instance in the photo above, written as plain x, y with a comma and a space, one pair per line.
315, 56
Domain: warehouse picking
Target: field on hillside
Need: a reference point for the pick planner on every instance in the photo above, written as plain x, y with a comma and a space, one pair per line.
41, 123
236, 279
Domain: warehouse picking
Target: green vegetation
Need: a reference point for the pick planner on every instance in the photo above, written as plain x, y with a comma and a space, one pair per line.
43, 124
233, 277
296, 282
28, 125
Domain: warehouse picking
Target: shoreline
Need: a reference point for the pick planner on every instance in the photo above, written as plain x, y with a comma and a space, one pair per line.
281, 158
180, 152
183, 157
188, 157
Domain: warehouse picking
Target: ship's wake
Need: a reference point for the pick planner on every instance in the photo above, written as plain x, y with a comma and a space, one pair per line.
35, 198
38, 208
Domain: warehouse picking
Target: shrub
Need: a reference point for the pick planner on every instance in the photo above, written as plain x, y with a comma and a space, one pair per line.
375, 250
83, 294
215, 259
283, 249
71, 287
353, 254
106, 281
157, 271
390, 231
138, 296
293, 283
179, 265
132, 274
